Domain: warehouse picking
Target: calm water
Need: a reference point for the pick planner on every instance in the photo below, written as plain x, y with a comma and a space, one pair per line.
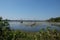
26, 26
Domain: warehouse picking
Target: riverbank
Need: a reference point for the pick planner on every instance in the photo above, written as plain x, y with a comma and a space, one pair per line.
42, 35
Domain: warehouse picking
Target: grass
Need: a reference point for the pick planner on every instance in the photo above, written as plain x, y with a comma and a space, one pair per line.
42, 35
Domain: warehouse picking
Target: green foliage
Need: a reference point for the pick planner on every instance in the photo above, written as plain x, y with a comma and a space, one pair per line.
7, 34
4, 29
57, 19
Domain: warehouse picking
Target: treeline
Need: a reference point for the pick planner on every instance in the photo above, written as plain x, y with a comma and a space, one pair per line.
57, 19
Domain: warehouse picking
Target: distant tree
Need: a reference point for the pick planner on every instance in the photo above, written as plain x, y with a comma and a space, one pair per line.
57, 19
0, 18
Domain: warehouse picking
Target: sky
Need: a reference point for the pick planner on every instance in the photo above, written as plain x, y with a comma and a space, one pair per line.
29, 9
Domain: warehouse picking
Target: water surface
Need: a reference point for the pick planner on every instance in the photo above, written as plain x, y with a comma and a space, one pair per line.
25, 26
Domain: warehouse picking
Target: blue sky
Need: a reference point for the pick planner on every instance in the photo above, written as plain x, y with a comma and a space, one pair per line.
29, 9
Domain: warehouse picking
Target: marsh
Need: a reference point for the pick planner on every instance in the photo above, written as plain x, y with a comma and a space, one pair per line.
25, 26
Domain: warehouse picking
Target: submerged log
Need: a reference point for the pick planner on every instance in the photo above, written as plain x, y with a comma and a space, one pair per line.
33, 24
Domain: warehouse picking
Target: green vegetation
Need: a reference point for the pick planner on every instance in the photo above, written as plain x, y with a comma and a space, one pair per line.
57, 19
7, 34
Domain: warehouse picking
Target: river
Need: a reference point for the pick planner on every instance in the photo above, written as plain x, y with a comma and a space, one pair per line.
25, 26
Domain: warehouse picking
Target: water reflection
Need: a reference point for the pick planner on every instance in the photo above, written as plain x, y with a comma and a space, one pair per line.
25, 26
